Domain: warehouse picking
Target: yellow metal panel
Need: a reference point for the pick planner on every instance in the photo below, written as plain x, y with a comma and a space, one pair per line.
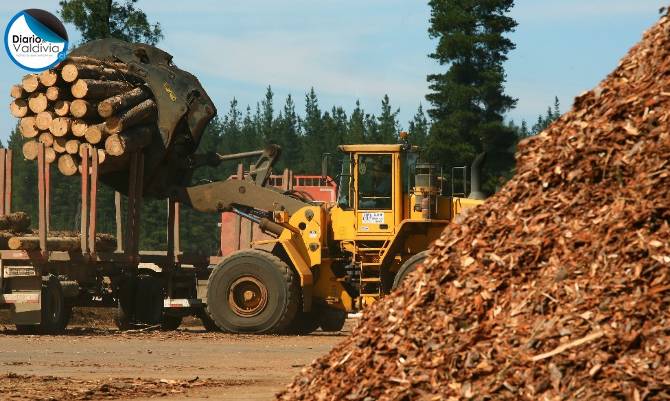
371, 148
330, 291
343, 223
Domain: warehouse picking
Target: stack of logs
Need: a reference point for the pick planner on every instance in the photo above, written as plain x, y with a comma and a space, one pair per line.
15, 234
84, 103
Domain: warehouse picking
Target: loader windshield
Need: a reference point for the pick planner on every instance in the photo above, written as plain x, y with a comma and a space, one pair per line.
375, 182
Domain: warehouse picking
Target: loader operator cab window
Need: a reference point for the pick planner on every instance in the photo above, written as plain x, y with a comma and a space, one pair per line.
344, 188
375, 182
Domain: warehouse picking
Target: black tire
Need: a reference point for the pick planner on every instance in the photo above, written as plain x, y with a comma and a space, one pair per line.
56, 311
125, 304
304, 323
267, 282
148, 300
170, 322
409, 266
140, 303
207, 321
331, 320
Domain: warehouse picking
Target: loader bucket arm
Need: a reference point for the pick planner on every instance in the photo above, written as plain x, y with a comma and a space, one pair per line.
222, 196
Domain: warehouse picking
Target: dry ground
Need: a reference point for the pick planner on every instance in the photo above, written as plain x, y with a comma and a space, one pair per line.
94, 361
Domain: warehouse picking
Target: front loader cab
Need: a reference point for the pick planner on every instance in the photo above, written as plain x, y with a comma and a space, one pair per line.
370, 200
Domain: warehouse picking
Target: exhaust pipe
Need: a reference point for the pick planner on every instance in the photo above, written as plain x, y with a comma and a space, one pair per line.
476, 176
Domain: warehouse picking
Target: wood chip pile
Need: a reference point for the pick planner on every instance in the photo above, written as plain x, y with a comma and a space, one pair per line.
84, 103
557, 288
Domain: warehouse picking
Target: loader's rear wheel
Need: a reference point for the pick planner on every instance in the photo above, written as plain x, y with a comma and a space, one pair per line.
252, 291
331, 320
409, 266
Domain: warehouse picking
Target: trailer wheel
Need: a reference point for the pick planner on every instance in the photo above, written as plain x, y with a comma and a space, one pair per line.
56, 311
252, 291
409, 266
140, 302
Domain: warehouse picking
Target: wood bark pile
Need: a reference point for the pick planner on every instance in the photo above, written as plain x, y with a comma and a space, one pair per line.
557, 288
84, 102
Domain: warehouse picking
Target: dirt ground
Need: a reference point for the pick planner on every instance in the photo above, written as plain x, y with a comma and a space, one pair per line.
94, 361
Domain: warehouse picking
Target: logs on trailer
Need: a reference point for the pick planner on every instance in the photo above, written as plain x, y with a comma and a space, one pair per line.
103, 243
17, 222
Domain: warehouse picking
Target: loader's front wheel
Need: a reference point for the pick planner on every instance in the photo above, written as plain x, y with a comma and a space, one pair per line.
252, 291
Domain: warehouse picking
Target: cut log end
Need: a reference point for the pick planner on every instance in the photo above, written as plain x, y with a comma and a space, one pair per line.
38, 102
30, 149
19, 108
80, 108
17, 92
48, 77
53, 93
72, 146
44, 119
67, 164
60, 126
30, 83
62, 107
28, 127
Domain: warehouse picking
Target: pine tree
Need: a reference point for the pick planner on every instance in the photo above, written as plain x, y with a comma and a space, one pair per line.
267, 117
468, 100
250, 139
288, 127
97, 19
388, 123
314, 143
356, 131
418, 128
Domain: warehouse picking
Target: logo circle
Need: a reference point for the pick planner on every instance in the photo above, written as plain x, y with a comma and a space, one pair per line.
36, 40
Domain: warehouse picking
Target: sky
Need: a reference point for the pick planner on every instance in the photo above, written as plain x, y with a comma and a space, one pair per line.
364, 49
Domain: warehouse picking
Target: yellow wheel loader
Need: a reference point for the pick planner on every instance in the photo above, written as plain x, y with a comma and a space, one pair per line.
324, 260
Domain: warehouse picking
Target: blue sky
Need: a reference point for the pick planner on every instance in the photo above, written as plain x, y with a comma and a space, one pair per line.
362, 49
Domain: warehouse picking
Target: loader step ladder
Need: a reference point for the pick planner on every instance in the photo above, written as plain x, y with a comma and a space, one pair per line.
370, 259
